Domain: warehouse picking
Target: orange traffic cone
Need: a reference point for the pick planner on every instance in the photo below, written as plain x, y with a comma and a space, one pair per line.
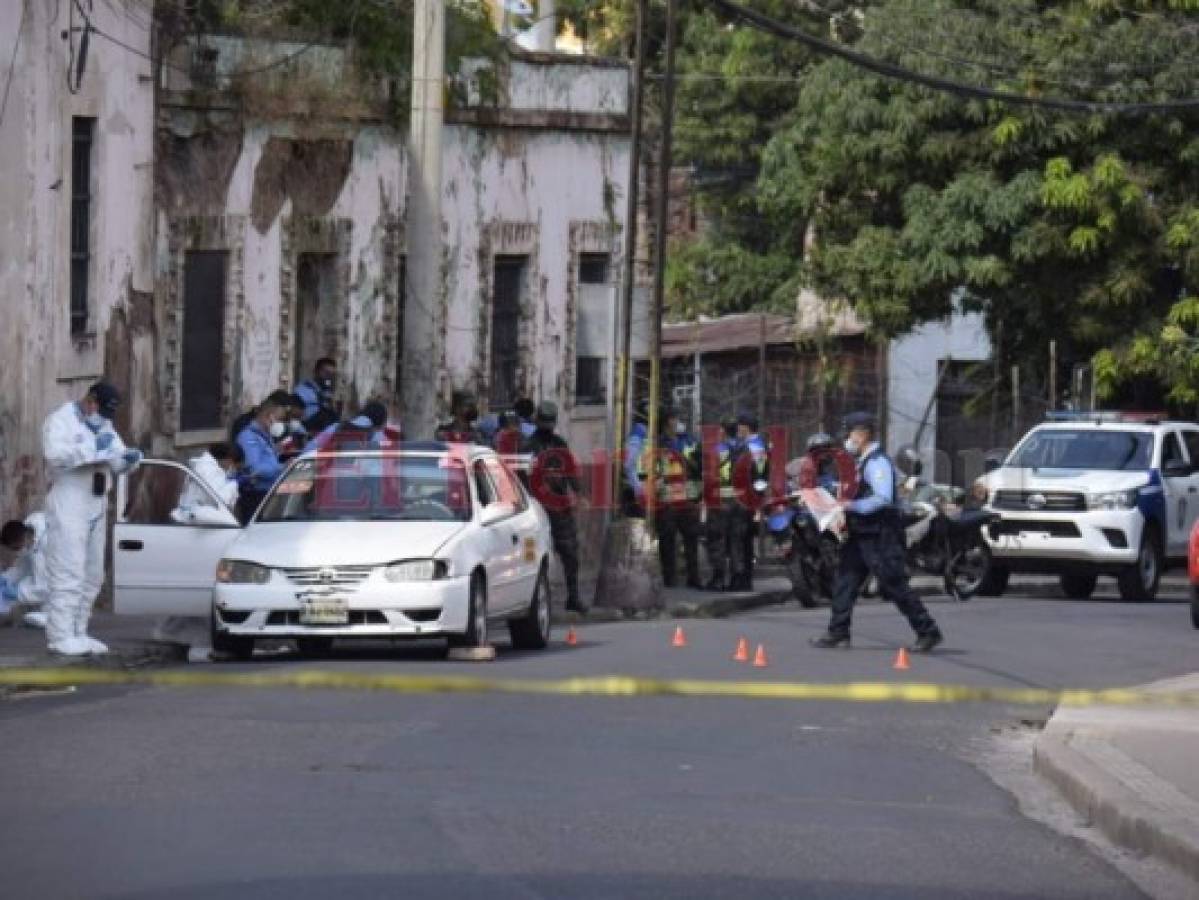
760, 658
572, 639
901, 659
680, 639
742, 654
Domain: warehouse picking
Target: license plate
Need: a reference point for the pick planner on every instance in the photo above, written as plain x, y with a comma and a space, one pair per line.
326, 611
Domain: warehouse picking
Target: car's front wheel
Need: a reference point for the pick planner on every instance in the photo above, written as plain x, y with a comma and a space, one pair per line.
995, 583
1195, 605
1138, 583
476, 616
532, 630
235, 645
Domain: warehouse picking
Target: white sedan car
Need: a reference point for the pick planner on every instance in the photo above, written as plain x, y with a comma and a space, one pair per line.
426, 540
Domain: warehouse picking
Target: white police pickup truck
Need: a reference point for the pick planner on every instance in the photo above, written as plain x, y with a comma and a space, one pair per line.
1085, 495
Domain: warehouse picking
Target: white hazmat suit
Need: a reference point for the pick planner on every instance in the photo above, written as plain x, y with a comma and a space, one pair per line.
82, 463
195, 505
28, 573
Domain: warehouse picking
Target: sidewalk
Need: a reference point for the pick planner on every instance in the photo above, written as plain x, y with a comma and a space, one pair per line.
129, 639
1132, 773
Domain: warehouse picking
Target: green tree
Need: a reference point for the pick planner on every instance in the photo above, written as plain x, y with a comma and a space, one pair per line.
1057, 225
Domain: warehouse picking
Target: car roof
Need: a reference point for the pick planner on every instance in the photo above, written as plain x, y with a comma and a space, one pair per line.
407, 448
1084, 425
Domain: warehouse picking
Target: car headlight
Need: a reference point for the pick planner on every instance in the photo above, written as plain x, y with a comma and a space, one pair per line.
1112, 500
415, 570
238, 571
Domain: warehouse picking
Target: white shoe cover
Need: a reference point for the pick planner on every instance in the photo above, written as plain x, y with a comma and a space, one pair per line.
71, 646
95, 647
35, 619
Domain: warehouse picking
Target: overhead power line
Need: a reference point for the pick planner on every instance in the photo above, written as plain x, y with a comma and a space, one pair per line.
16, 47
889, 70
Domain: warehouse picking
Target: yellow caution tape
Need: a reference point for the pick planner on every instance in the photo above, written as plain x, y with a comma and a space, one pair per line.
609, 686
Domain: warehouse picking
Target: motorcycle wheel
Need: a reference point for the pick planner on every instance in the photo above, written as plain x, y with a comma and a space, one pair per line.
967, 571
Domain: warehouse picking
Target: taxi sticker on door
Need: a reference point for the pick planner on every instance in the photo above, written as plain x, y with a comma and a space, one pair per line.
530, 549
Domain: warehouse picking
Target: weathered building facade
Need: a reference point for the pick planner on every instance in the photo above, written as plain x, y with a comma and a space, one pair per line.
201, 224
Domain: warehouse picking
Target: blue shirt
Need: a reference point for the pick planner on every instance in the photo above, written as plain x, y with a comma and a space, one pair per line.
311, 395
634, 447
262, 467
879, 474
527, 429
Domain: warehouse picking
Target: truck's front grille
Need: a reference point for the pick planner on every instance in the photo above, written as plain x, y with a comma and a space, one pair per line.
1051, 501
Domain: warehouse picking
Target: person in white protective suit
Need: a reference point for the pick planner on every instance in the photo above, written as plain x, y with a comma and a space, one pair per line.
217, 467
24, 582
83, 453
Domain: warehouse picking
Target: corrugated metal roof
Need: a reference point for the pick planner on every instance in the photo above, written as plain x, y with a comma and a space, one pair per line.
743, 332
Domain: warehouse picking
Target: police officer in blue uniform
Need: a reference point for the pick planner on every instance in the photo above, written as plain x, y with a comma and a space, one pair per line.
875, 545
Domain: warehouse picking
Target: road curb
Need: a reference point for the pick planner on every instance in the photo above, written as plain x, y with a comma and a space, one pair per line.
1106, 802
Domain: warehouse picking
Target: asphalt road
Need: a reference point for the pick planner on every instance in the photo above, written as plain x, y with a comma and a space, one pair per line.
140, 793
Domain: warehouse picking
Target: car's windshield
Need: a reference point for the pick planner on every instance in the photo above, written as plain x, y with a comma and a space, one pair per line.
332, 488
1082, 448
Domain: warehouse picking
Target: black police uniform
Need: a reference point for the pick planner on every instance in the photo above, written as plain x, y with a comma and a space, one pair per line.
548, 476
876, 546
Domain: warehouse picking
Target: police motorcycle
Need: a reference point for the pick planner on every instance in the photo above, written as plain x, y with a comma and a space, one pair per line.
942, 537
804, 527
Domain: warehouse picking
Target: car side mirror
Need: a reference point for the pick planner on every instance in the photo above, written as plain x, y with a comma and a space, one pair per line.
1177, 469
496, 512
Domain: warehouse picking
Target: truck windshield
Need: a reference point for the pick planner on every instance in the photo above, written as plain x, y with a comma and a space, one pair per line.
1057, 448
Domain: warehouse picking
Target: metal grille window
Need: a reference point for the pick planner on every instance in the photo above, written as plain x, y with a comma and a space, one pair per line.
505, 328
591, 384
203, 339
83, 130
593, 268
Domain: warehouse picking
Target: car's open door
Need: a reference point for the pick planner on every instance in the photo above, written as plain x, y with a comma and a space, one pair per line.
170, 533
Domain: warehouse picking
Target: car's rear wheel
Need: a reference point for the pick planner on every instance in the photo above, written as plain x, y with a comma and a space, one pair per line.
1138, 583
235, 645
1195, 605
995, 583
476, 616
967, 571
532, 630
314, 646
1079, 587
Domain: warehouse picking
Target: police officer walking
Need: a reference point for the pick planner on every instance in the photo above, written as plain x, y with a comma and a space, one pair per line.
679, 483
721, 513
875, 545
554, 480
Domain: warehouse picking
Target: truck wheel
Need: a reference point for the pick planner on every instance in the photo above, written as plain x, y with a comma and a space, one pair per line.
1195, 605
1138, 583
801, 589
995, 583
1079, 587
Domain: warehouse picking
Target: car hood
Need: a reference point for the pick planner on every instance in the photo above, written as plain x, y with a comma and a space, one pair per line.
301, 544
1081, 480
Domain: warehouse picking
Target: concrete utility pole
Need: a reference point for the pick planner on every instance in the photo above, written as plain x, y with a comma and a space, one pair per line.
424, 304
624, 374
545, 31
663, 205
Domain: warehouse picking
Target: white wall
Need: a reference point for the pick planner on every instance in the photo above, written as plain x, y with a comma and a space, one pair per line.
912, 376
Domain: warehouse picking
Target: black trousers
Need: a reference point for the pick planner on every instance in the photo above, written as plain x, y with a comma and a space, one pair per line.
881, 555
566, 544
247, 504
674, 522
741, 539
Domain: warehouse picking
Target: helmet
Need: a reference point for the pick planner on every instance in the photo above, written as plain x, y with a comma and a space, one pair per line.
547, 413
821, 440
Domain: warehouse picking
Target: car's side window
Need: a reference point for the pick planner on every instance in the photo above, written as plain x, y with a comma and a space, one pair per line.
510, 490
483, 486
153, 494
1172, 450
1192, 442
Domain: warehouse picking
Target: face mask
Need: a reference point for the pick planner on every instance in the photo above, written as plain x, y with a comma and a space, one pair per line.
852, 447
326, 383
680, 428
295, 426
278, 429
94, 421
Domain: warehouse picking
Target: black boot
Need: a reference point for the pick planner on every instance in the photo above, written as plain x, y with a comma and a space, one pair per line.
927, 641
830, 641
715, 583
